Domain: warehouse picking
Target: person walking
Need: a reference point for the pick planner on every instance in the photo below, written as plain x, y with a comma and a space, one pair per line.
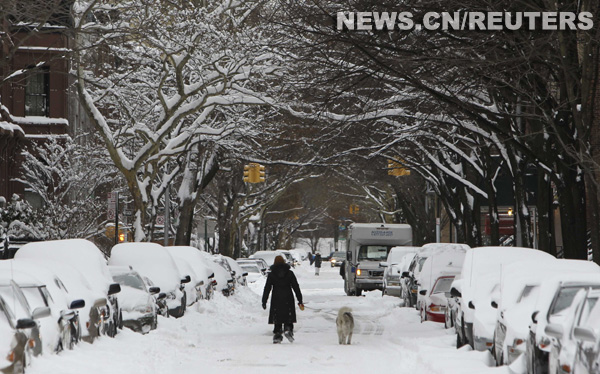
318, 261
282, 312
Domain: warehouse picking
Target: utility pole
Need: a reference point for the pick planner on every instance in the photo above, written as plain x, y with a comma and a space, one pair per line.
167, 223
117, 218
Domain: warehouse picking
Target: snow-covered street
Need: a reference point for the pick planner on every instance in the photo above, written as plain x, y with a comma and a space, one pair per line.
231, 335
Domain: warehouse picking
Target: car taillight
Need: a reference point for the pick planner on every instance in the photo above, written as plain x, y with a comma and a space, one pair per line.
11, 356
566, 368
87, 325
31, 343
435, 308
518, 341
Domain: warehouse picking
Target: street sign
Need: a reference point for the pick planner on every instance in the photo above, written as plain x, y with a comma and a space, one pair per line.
110, 214
128, 212
111, 205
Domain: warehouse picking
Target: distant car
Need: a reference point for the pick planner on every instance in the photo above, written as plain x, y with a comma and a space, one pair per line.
289, 259
337, 258
154, 261
394, 267
267, 256
90, 262
586, 333
254, 271
435, 301
138, 306
15, 342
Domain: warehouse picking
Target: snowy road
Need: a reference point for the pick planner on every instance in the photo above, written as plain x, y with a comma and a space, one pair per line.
231, 335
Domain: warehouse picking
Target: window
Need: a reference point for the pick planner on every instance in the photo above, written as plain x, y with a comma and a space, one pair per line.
373, 252
37, 93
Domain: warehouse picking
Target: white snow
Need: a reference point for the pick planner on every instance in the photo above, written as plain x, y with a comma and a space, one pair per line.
231, 335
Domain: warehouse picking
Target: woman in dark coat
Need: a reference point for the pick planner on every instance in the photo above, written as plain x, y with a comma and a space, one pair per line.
318, 261
281, 280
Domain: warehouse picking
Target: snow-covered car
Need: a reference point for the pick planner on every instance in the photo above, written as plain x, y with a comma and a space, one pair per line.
16, 300
475, 318
154, 261
201, 273
410, 278
90, 262
442, 265
298, 255
193, 286
515, 299
236, 270
15, 344
586, 333
262, 265
267, 256
555, 298
42, 288
223, 280
394, 265
289, 259
137, 304
254, 271
337, 258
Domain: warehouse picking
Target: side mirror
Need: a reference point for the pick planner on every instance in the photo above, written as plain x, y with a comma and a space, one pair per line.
186, 279
534, 316
77, 304
383, 264
154, 290
494, 305
233, 273
455, 293
423, 292
26, 323
555, 330
100, 302
349, 255
40, 312
471, 305
211, 276
114, 288
405, 274
161, 295
584, 334
245, 274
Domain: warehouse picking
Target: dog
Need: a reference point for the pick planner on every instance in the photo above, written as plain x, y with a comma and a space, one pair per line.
345, 325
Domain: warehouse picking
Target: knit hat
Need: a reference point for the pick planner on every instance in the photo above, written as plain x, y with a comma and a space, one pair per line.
279, 260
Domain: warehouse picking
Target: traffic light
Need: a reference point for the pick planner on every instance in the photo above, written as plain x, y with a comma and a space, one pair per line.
246, 173
261, 173
354, 209
121, 236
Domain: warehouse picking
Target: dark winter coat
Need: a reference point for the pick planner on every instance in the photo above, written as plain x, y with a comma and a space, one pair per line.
318, 261
281, 280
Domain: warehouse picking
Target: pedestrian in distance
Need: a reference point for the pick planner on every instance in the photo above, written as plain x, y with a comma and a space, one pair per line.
318, 262
281, 281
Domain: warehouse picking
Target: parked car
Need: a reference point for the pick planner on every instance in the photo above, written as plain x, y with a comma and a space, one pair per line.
395, 265
443, 261
555, 298
409, 278
42, 288
288, 257
202, 273
236, 271
267, 256
475, 318
223, 280
516, 297
298, 255
253, 270
91, 264
587, 334
262, 265
15, 343
154, 261
17, 302
140, 312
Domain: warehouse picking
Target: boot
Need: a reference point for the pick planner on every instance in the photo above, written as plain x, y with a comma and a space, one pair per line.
277, 338
289, 335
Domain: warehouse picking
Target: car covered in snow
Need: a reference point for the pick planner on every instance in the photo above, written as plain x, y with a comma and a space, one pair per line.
253, 270
154, 261
553, 306
234, 268
395, 265
139, 309
515, 298
475, 318
267, 256
262, 265
223, 281
586, 332
200, 271
90, 263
